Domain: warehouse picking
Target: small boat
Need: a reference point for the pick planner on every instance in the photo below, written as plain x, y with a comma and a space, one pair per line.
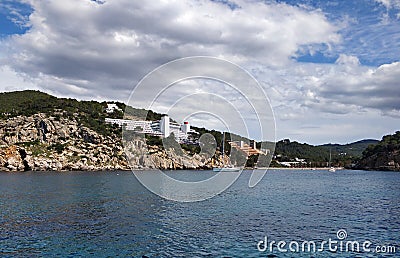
226, 169
331, 169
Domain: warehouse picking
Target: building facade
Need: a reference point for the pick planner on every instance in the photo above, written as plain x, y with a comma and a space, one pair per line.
162, 128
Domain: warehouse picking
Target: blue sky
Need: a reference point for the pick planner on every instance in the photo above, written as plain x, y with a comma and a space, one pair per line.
374, 40
373, 29
11, 13
369, 34
330, 68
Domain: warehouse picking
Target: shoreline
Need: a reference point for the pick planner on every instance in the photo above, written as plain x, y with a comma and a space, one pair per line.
192, 169
323, 168
150, 169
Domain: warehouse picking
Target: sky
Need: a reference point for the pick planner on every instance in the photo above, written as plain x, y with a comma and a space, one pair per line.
330, 69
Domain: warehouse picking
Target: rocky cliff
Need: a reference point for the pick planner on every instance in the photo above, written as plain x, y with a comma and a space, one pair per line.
383, 156
381, 161
42, 142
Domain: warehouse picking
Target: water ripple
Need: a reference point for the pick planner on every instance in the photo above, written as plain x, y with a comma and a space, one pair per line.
104, 215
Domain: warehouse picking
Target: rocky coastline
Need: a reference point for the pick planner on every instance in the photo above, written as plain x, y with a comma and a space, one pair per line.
385, 161
43, 142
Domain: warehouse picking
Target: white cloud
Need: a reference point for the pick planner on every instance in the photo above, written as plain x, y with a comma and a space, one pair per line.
87, 50
390, 3
310, 98
319, 128
347, 60
12, 81
112, 45
341, 88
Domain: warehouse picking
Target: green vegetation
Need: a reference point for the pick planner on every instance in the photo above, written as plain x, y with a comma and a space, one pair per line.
191, 148
382, 156
88, 113
154, 141
58, 147
389, 143
286, 150
92, 114
140, 113
39, 149
28, 144
25, 103
342, 155
217, 134
354, 149
170, 143
252, 161
42, 149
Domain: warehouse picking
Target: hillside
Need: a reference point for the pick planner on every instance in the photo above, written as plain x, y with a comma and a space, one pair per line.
354, 149
383, 156
42, 132
87, 113
287, 150
47, 132
342, 155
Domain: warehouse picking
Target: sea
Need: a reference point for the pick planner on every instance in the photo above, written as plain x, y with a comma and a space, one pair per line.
290, 213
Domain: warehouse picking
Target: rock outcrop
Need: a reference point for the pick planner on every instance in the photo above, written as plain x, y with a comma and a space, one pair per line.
54, 143
383, 156
381, 161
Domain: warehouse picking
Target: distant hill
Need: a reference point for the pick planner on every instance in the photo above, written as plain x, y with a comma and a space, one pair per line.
91, 114
287, 150
385, 155
342, 155
41, 132
88, 113
354, 149
30, 102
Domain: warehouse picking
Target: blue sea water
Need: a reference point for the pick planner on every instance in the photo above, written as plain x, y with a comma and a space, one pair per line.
109, 214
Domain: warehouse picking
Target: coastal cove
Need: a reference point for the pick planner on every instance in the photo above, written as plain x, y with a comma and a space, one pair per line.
107, 213
200, 128
40, 132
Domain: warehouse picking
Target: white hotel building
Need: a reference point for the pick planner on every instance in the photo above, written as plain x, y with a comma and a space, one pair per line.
162, 128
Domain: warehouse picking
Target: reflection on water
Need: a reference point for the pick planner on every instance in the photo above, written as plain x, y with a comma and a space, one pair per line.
104, 214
